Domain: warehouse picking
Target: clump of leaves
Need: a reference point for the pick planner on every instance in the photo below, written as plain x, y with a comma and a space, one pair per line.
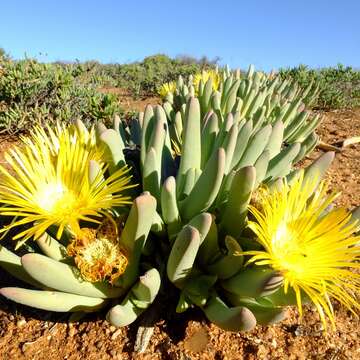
34, 93
339, 86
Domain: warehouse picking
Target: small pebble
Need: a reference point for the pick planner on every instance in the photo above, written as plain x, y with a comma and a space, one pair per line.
116, 334
112, 353
21, 322
72, 331
299, 331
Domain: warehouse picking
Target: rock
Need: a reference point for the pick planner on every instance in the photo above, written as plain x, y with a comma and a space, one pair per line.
21, 322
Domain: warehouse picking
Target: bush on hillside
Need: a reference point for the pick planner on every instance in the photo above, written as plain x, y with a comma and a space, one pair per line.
144, 78
34, 93
339, 86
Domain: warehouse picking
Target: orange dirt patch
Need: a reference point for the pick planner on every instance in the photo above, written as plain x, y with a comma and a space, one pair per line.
128, 102
344, 174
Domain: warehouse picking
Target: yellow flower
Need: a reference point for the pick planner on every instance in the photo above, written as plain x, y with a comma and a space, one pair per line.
98, 254
166, 88
315, 251
204, 76
60, 134
176, 147
51, 184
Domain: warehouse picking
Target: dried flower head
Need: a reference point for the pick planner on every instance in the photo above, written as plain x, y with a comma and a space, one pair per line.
98, 254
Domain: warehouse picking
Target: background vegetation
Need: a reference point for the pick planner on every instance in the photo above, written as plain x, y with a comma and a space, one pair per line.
33, 92
339, 86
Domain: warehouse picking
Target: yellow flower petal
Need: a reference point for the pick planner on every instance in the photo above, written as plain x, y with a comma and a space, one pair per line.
204, 76
167, 88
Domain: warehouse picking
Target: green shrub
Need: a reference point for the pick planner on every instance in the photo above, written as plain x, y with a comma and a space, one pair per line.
34, 93
339, 86
144, 78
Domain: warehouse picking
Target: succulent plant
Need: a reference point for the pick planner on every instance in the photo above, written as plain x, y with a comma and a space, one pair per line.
253, 96
203, 196
84, 265
60, 286
237, 226
216, 159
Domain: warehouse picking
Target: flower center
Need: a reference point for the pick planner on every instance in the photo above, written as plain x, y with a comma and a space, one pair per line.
100, 249
291, 257
56, 198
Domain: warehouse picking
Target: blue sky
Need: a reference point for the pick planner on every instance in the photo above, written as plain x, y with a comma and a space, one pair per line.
269, 34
